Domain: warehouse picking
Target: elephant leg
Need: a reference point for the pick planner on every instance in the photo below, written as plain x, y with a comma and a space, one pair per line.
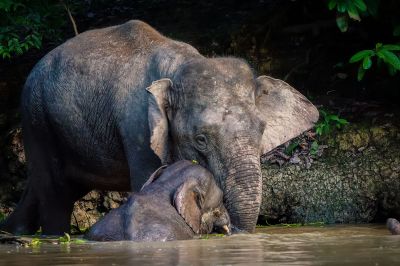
57, 194
56, 206
49, 196
24, 219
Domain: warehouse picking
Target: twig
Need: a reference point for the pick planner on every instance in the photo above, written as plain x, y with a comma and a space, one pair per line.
70, 17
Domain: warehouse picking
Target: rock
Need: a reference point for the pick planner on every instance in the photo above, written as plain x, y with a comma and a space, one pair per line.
393, 225
345, 185
94, 205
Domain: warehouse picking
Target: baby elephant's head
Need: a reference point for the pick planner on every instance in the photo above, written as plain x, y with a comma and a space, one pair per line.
199, 201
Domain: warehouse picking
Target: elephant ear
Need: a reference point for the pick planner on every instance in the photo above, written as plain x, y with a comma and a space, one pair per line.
158, 120
286, 111
189, 201
154, 176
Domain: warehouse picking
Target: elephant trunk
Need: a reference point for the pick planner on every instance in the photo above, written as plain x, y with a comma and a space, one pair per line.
243, 188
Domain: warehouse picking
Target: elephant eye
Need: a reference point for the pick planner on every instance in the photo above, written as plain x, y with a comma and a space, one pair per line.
201, 141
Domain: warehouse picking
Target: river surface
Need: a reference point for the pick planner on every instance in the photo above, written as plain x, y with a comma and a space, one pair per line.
327, 245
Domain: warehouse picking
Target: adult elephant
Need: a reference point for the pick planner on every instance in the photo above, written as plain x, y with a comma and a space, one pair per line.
89, 122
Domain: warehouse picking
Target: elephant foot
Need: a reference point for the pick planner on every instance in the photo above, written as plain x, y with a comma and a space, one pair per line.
17, 225
393, 225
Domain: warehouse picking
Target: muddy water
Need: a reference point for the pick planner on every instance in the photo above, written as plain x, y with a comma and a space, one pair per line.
330, 245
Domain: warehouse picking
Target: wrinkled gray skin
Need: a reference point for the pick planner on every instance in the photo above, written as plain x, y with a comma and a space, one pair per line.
89, 122
178, 202
393, 225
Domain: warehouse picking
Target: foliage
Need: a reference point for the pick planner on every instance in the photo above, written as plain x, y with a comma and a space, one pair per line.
314, 148
382, 53
65, 239
355, 9
346, 9
35, 242
328, 122
25, 23
292, 146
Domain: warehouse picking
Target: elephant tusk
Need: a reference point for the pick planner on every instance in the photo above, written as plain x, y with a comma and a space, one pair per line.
226, 229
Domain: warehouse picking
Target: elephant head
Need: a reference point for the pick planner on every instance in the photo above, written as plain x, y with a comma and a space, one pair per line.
197, 198
216, 112
176, 203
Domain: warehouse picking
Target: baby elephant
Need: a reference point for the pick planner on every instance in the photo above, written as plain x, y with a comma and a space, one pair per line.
176, 203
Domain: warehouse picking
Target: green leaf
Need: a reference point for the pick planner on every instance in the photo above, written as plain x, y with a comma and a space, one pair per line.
361, 55
389, 57
35, 242
65, 239
318, 131
391, 47
342, 23
289, 150
331, 4
367, 63
352, 11
332, 118
314, 147
341, 7
378, 46
361, 73
360, 5
79, 241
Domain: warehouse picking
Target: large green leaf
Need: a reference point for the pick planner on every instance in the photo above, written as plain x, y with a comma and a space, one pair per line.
342, 23
331, 4
391, 47
361, 55
352, 11
367, 63
360, 5
389, 57
341, 7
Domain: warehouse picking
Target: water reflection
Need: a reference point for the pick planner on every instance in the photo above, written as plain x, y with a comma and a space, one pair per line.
350, 245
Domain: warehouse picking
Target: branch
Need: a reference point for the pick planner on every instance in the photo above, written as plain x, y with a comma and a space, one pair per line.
70, 17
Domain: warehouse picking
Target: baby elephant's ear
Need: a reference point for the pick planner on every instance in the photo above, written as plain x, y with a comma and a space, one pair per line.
154, 176
188, 201
286, 111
